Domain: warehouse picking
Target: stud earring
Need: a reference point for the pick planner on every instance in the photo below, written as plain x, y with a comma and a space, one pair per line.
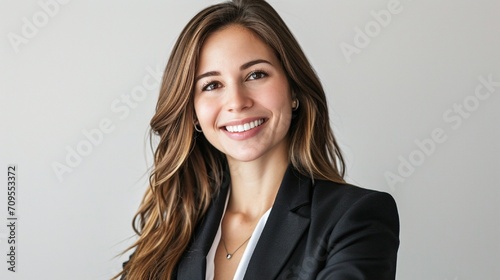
295, 104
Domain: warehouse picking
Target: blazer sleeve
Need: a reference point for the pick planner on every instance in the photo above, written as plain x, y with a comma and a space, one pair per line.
363, 244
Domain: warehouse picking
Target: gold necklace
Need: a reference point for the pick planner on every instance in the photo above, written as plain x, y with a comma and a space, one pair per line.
230, 255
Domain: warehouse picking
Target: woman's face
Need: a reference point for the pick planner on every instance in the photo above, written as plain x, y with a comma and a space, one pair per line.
242, 98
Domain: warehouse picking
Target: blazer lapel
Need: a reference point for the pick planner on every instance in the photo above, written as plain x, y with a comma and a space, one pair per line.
192, 265
284, 227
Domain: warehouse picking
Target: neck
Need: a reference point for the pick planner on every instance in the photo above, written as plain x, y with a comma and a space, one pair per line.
254, 185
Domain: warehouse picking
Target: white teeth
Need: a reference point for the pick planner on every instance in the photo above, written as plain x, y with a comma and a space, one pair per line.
244, 127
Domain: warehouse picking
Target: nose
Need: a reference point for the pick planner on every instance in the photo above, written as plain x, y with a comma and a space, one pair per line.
237, 98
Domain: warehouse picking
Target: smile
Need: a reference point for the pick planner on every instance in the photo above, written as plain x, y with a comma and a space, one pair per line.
244, 127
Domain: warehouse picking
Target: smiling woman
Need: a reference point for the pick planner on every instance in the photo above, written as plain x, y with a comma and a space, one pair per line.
248, 178
244, 104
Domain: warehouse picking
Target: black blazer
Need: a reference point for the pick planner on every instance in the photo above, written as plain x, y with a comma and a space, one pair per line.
320, 230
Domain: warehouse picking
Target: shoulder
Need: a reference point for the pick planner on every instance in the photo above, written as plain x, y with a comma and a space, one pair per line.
353, 233
345, 194
334, 202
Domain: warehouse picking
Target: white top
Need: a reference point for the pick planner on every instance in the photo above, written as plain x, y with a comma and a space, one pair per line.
247, 254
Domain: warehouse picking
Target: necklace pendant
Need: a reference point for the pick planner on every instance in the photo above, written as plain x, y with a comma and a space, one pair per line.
229, 256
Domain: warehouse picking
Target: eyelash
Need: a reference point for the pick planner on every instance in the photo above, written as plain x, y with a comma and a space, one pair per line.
205, 85
259, 72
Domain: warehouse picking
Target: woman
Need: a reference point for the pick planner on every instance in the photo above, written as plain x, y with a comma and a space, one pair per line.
248, 178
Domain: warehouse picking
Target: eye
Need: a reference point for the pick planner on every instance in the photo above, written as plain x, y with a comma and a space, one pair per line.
255, 75
209, 86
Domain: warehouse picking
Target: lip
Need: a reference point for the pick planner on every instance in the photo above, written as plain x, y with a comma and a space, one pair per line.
242, 135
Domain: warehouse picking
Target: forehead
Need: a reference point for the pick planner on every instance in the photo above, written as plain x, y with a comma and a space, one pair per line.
233, 44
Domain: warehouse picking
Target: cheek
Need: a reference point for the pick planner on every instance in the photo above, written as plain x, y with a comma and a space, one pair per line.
279, 97
205, 111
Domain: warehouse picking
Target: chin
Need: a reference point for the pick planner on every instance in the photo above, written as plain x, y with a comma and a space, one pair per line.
243, 157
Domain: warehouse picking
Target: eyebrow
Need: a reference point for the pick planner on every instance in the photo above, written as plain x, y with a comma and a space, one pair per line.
242, 67
253, 62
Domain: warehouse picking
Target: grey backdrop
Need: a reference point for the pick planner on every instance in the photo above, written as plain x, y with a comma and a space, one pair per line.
413, 88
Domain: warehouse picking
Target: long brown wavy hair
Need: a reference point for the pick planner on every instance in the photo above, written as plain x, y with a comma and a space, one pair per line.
188, 170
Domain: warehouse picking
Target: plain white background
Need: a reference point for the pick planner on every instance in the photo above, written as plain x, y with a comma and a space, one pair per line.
88, 62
